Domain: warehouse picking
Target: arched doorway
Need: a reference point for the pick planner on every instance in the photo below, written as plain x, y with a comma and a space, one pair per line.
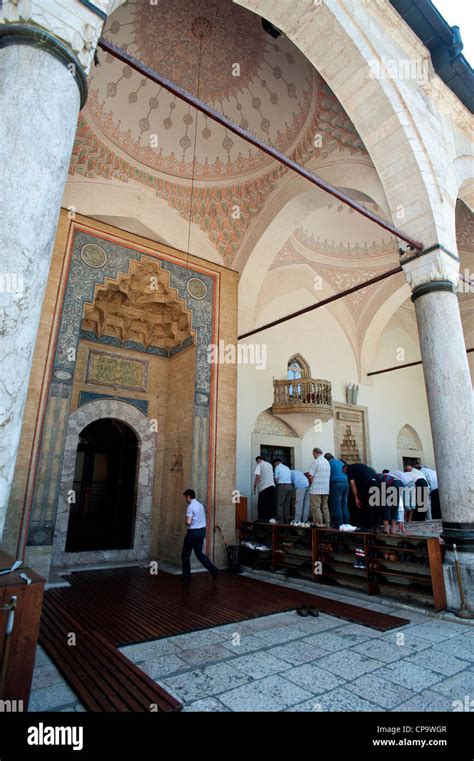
102, 516
410, 448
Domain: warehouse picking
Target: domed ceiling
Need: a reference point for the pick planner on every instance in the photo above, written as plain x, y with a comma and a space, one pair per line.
132, 128
237, 68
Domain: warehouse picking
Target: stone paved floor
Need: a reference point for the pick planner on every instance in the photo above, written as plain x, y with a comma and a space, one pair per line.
287, 663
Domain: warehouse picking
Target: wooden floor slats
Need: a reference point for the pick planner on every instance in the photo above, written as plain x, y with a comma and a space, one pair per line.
110, 608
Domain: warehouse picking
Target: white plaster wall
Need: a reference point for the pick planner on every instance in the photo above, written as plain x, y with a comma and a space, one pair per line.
393, 399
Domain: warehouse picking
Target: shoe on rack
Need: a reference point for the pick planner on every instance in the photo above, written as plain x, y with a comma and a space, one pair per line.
272, 520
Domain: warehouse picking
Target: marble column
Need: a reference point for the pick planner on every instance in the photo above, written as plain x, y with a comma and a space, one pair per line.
434, 277
40, 99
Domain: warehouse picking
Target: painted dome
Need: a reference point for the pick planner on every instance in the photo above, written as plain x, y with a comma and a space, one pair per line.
219, 52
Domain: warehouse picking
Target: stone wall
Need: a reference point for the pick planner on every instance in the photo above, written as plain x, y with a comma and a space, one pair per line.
177, 393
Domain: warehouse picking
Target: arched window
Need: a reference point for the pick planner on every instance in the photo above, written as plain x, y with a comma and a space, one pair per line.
297, 369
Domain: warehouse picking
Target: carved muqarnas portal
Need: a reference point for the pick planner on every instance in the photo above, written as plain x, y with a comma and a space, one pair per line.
140, 307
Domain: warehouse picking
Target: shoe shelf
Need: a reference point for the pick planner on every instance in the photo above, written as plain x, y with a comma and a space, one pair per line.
414, 571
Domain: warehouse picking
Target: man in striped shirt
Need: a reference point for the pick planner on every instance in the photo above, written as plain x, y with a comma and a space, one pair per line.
320, 474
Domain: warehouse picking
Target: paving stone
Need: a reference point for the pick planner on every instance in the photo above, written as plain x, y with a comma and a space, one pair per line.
460, 647
247, 644
48, 698
311, 625
406, 636
207, 705
384, 651
439, 661
259, 665
228, 630
360, 631
409, 675
385, 694
46, 676
277, 635
273, 693
342, 700
198, 656
164, 665
311, 677
202, 683
457, 687
144, 651
298, 652
42, 658
436, 631
270, 622
197, 639
334, 641
349, 664
426, 701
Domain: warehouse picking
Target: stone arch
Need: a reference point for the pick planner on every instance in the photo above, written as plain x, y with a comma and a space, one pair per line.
139, 210
408, 444
267, 423
332, 36
390, 299
289, 208
139, 423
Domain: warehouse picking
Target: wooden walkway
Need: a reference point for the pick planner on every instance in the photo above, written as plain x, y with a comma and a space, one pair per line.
109, 608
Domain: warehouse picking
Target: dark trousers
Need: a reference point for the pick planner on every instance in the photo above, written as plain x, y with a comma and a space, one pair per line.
435, 507
266, 504
194, 540
421, 486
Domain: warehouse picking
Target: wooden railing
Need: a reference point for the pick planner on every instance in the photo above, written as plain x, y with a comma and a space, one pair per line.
299, 393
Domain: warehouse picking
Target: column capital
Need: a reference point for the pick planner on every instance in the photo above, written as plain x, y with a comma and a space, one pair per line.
435, 268
34, 36
77, 24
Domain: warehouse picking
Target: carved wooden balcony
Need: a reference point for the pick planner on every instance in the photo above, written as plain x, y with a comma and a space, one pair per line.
305, 396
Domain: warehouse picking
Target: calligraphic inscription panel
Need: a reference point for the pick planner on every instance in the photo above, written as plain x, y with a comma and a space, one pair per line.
106, 369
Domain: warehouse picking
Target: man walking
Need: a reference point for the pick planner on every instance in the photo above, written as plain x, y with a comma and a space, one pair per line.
320, 474
266, 489
194, 539
283, 491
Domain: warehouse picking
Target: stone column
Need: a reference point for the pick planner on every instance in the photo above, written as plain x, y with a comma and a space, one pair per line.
42, 88
434, 278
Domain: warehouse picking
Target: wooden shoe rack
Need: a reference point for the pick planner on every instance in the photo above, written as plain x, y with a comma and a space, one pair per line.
397, 565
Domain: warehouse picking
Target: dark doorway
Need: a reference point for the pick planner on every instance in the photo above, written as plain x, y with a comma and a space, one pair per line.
286, 454
103, 515
414, 461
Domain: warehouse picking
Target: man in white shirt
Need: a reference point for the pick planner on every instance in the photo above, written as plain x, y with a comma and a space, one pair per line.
265, 484
284, 491
320, 476
421, 492
194, 539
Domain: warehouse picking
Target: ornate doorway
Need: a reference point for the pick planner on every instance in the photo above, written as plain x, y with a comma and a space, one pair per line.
102, 516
